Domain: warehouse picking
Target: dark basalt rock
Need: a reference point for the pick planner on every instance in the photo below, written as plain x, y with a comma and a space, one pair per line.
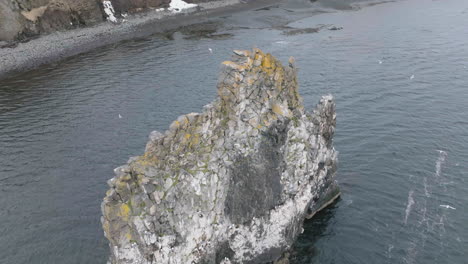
232, 184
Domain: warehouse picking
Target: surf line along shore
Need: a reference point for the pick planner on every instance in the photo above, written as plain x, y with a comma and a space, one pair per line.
60, 45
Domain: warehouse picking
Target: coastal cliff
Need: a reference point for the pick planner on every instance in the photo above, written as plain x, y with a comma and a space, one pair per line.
24, 19
231, 184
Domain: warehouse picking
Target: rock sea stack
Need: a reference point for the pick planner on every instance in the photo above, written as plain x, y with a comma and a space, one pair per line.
232, 184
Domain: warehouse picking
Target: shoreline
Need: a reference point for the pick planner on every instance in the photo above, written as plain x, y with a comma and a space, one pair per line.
58, 46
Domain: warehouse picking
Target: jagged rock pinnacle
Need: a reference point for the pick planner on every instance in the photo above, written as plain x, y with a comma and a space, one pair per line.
232, 184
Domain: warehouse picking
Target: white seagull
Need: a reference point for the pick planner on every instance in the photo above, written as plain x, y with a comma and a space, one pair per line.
448, 206
412, 77
120, 116
211, 51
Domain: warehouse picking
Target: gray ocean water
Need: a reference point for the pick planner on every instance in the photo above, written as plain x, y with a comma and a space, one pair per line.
398, 70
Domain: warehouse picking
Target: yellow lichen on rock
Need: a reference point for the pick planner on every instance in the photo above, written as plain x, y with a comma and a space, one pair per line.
195, 140
277, 109
174, 125
267, 62
281, 110
125, 211
109, 192
120, 184
235, 66
148, 159
128, 236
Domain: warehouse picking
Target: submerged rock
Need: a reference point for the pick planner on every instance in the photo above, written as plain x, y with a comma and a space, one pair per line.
232, 184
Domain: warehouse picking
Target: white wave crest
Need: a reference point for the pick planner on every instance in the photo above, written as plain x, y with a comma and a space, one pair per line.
440, 161
409, 205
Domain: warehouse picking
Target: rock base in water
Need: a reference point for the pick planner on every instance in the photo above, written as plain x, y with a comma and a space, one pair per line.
232, 184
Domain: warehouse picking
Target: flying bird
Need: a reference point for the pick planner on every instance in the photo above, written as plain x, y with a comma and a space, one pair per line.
448, 206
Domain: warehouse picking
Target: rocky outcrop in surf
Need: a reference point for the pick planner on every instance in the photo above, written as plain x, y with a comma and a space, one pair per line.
231, 184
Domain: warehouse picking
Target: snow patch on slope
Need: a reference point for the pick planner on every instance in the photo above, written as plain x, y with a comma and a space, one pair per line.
177, 6
109, 10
